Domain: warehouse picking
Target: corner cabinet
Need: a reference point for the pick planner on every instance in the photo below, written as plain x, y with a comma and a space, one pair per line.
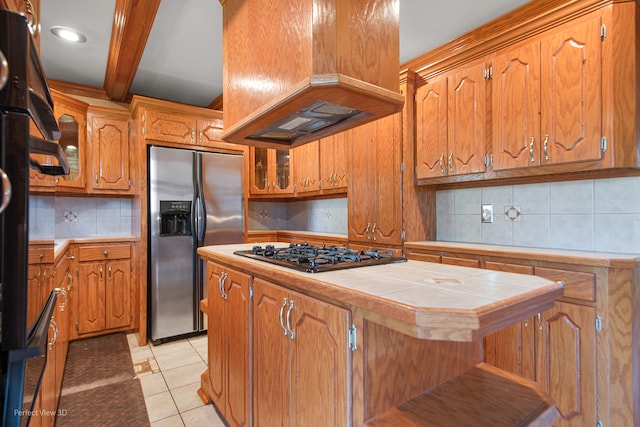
301, 352
110, 167
375, 177
229, 318
103, 293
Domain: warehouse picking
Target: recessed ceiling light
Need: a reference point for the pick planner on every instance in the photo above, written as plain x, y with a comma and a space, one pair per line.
68, 34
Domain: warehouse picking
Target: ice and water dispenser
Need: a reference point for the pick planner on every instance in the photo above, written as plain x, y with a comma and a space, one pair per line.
175, 218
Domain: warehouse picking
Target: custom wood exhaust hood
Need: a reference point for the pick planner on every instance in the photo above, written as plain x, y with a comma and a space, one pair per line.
298, 70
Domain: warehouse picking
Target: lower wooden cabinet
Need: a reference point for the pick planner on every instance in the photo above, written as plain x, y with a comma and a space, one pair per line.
228, 296
102, 300
301, 361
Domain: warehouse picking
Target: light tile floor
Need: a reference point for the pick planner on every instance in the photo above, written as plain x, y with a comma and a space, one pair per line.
170, 377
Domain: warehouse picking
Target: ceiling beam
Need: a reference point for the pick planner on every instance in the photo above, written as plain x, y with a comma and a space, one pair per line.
132, 24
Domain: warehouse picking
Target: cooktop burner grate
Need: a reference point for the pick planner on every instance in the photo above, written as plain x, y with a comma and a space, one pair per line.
314, 259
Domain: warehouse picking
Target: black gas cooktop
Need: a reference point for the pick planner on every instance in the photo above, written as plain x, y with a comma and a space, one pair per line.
314, 259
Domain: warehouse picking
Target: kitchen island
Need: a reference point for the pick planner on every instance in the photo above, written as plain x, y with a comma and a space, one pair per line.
347, 346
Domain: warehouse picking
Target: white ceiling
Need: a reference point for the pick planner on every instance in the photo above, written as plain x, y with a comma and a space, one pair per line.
183, 57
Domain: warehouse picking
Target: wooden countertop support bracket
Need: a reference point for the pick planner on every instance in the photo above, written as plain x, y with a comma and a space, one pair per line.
482, 396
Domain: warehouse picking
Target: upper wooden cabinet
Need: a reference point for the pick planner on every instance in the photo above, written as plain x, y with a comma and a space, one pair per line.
110, 155
270, 171
71, 114
375, 182
561, 86
547, 100
333, 162
306, 171
169, 126
451, 123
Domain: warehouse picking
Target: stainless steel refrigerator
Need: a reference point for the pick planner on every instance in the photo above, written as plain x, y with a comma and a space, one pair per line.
195, 199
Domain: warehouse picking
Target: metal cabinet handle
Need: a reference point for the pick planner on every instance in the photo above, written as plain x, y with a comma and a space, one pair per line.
193, 135
526, 323
546, 147
69, 281
100, 273
6, 189
373, 230
292, 333
441, 162
200, 139
110, 274
54, 325
284, 328
366, 231
71, 258
221, 280
62, 306
106, 253
531, 156
540, 322
4, 70
450, 162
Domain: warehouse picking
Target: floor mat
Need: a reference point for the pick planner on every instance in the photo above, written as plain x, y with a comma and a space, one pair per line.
99, 387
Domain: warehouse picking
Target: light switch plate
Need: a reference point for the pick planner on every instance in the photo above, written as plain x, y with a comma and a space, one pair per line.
487, 213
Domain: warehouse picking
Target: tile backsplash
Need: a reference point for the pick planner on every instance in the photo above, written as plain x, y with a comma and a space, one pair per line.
323, 216
79, 217
593, 215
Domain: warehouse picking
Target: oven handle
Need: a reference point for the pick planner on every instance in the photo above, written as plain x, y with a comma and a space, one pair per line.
6, 190
42, 146
4, 70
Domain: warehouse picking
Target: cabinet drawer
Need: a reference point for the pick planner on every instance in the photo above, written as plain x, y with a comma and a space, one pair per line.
462, 262
425, 257
577, 284
99, 253
41, 255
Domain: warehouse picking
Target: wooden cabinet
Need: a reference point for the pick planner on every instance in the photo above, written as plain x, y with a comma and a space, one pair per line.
306, 168
559, 348
110, 155
301, 352
40, 279
333, 162
547, 100
72, 120
228, 343
451, 123
375, 182
168, 126
270, 171
562, 82
103, 293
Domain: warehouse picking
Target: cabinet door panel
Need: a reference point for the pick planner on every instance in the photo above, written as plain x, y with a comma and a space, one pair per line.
91, 294
216, 336
516, 106
386, 156
110, 153
431, 128
170, 127
466, 121
360, 142
572, 99
566, 365
118, 294
237, 348
319, 363
270, 365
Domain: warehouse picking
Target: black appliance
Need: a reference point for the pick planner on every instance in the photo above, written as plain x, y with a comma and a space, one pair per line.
24, 99
315, 259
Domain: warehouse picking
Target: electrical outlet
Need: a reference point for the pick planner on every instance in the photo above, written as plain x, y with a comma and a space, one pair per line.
487, 213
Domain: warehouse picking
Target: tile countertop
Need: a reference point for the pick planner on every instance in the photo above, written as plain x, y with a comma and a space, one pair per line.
421, 299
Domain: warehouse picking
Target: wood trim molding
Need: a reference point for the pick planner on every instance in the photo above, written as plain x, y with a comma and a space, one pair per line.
216, 104
132, 24
77, 89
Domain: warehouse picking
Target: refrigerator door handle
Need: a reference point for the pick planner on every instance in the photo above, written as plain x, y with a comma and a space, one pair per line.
200, 223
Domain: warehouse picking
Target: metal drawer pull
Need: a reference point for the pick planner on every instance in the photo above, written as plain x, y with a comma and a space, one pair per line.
110, 274
292, 333
450, 162
373, 230
69, 281
223, 277
106, 253
100, 272
366, 231
284, 328
54, 325
546, 147
533, 158
441, 162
